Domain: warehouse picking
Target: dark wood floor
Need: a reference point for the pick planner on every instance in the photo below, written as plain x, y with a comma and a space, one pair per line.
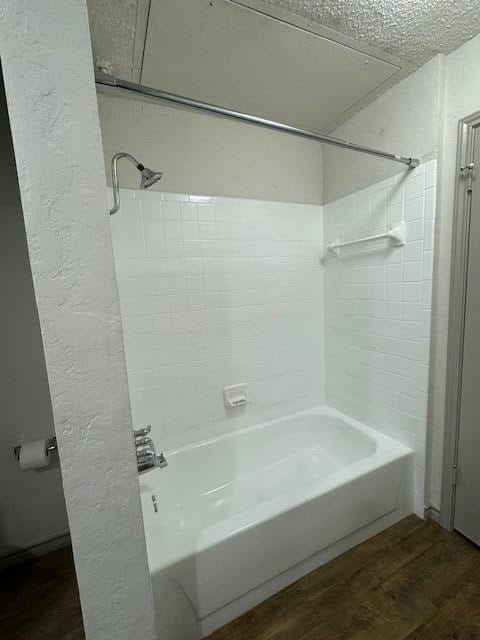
414, 580
39, 600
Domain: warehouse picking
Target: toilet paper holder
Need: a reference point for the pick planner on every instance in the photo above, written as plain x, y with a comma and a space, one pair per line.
51, 446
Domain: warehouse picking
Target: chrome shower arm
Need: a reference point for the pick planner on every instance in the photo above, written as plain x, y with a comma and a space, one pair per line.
115, 183
148, 177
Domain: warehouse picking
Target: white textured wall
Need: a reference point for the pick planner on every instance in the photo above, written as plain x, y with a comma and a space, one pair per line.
405, 121
32, 506
205, 154
46, 59
378, 306
462, 98
217, 292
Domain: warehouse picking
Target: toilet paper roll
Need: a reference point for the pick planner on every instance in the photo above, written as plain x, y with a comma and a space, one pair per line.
34, 455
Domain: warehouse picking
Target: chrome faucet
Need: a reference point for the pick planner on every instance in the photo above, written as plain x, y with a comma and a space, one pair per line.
147, 457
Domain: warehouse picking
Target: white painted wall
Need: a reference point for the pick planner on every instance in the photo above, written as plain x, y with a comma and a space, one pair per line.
405, 121
378, 310
32, 506
215, 292
205, 154
462, 98
47, 66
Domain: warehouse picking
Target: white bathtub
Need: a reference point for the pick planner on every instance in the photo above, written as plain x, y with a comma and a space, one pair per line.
241, 516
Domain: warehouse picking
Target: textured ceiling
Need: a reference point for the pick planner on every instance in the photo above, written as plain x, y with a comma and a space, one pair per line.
414, 30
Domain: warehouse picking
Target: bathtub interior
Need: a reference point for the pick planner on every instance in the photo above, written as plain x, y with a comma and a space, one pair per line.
219, 487
214, 480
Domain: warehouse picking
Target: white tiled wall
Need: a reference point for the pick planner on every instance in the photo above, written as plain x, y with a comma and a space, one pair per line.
217, 291
378, 310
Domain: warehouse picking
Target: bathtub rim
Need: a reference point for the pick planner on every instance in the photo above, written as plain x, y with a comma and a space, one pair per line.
322, 409
387, 451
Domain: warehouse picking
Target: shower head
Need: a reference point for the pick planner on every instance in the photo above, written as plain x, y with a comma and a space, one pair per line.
148, 178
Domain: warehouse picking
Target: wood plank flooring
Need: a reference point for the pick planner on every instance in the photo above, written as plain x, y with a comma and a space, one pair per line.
39, 600
413, 581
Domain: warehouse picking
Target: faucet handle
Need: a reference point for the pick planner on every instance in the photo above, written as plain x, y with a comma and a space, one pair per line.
147, 457
144, 431
145, 452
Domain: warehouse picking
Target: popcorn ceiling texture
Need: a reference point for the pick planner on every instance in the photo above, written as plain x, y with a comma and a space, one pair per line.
413, 31
47, 68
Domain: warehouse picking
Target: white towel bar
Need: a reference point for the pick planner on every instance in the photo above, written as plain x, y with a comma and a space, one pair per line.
396, 235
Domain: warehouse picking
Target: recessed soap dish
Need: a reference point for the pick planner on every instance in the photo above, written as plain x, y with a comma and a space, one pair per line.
236, 395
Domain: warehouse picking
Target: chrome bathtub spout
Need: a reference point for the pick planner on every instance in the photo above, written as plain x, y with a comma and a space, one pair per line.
147, 457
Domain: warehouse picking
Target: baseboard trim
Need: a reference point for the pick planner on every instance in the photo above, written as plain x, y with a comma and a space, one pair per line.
432, 514
35, 551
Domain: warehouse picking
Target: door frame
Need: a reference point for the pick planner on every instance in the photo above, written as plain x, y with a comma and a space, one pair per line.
456, 317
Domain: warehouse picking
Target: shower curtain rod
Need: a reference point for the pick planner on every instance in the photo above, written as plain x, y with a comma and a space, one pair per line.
106, 80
